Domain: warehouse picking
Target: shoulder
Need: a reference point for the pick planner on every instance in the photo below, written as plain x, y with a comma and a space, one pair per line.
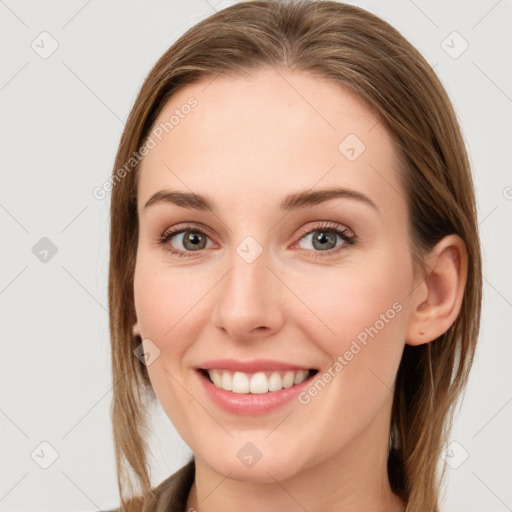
171, 494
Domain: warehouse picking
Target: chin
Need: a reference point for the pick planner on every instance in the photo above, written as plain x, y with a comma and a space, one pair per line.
273, 465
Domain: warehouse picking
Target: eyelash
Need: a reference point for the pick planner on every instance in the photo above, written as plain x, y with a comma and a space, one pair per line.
323, 227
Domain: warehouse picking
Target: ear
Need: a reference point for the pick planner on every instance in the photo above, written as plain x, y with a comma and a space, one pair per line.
437, 299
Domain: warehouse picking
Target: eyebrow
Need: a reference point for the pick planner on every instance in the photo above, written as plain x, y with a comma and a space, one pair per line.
291, 202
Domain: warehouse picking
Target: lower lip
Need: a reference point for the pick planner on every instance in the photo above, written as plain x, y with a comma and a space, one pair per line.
251, 403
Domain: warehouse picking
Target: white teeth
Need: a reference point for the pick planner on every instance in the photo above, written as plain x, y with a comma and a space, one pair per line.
288, 379
227, 381
275, 383
300, 376
240, 383
216, 378
256, 383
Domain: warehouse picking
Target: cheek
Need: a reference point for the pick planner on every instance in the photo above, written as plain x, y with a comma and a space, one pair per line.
351, 299
162, 303
158, 314
363, 314
164, 300
168, 302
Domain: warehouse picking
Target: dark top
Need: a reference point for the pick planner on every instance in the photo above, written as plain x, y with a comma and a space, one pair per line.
172, 493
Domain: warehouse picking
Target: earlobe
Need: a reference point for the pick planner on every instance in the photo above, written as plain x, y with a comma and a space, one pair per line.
438, 300
136, 330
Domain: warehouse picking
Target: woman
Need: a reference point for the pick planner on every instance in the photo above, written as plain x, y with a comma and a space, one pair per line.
295, 270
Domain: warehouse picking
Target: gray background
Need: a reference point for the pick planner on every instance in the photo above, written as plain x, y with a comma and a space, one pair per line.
61, 121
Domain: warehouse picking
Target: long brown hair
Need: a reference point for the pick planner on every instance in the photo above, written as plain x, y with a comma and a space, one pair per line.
363, 53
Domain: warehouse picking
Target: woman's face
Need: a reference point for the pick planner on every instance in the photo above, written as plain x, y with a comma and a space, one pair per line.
262, 286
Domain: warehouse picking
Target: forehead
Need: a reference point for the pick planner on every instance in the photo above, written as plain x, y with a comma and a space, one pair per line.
266, 135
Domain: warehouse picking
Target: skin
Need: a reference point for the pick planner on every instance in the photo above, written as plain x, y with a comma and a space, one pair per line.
247, 144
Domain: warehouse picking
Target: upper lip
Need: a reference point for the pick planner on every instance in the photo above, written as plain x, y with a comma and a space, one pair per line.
253, 366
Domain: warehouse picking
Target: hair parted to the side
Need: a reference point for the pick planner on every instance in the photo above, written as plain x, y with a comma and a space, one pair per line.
363, 53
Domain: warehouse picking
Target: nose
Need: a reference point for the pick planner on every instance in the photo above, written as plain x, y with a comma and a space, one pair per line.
248, 302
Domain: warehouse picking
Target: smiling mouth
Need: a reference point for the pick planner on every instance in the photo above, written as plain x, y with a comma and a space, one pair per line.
256, 383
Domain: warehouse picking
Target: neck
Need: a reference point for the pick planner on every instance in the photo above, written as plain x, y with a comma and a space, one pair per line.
353, 478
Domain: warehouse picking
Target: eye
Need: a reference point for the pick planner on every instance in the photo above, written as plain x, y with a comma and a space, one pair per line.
184, 240
325, 237
188, 239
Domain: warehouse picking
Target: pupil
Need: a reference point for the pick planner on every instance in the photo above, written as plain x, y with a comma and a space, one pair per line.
324, 238
195, 239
